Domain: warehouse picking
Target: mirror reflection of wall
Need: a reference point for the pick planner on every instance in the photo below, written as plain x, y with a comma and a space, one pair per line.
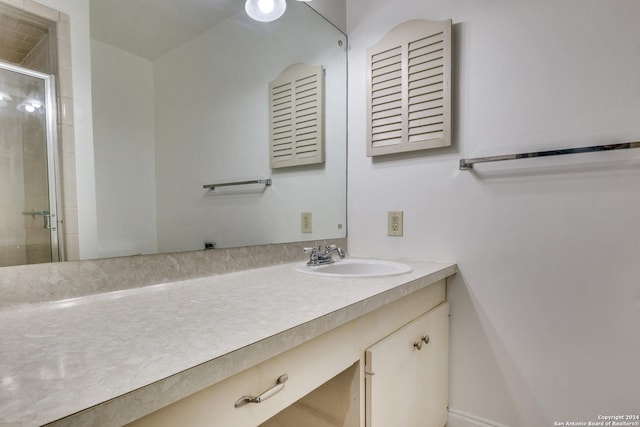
169, 118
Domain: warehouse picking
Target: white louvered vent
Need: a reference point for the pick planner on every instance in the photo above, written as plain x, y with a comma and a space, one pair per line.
409, 100
386, 97
297, 116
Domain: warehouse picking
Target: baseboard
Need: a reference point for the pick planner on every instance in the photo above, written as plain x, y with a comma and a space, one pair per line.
459, 418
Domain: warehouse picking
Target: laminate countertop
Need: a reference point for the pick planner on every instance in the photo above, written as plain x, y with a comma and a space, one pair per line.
108, 359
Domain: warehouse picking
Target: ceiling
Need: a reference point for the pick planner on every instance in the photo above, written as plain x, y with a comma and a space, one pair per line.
20, 32
151, 28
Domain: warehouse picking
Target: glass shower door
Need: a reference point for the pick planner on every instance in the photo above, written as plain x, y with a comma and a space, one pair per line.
28, 214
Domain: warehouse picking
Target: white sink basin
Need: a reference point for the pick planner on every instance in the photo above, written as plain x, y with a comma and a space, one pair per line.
352, 268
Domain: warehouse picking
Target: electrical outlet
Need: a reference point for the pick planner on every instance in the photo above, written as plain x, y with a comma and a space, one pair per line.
307, 222
394, 223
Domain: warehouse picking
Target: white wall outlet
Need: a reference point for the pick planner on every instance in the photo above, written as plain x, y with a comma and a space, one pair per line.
394, 223
306, 222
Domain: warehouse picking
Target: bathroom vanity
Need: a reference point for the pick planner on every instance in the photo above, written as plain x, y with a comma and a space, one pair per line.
328, 351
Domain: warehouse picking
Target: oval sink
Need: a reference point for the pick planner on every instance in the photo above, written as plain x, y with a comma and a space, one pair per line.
352, 268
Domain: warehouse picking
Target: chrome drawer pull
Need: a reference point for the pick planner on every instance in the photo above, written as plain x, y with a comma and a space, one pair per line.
278, 387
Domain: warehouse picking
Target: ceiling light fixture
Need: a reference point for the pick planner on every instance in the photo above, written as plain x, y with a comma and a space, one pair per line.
29, 106
265, 10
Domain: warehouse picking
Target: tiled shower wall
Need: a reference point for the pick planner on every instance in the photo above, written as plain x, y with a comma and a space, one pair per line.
36, 188
36, 185
54, 56
12, 251
25, 182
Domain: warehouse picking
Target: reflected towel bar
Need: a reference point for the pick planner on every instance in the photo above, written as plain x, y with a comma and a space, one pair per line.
266, 182
467, 164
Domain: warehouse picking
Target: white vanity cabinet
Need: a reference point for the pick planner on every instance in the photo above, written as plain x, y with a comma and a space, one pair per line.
326, 376
406, 374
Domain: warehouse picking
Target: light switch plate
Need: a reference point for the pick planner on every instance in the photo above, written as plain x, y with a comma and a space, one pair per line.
394, 223
306, 222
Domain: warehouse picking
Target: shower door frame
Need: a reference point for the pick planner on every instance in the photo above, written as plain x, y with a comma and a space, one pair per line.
57, 253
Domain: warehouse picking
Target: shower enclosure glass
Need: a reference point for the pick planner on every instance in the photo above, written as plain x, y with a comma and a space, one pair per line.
28, 214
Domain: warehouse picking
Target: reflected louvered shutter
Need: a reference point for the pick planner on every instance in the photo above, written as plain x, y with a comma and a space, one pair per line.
297, 116
409, 99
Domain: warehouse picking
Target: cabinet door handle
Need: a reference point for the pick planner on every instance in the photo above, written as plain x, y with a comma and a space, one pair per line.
278, 387
418, 344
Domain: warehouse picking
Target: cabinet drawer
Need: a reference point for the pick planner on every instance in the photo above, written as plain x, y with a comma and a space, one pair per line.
307, 366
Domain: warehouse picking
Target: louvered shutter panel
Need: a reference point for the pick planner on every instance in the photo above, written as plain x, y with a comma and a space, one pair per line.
409, 99
296, 100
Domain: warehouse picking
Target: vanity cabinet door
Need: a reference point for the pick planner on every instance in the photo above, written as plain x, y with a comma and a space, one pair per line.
407, 374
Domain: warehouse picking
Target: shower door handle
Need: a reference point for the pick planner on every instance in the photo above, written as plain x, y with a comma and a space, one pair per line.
48, 219
46, 216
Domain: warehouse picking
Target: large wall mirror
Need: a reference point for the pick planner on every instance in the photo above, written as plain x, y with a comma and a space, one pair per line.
180, 100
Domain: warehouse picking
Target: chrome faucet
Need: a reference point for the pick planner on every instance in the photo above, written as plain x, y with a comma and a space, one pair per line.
317, 257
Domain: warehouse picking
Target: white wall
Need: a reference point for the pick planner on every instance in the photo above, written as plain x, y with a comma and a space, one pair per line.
212, 126
546, 307
335, 11
123, 105
78, 11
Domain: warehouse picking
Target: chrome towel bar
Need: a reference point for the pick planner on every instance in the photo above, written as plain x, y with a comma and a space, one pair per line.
266, 182
467, 164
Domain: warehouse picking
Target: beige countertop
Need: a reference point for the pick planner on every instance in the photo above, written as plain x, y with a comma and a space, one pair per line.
110, 358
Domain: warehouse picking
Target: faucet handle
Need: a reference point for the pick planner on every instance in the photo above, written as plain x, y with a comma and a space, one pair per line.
335, 248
